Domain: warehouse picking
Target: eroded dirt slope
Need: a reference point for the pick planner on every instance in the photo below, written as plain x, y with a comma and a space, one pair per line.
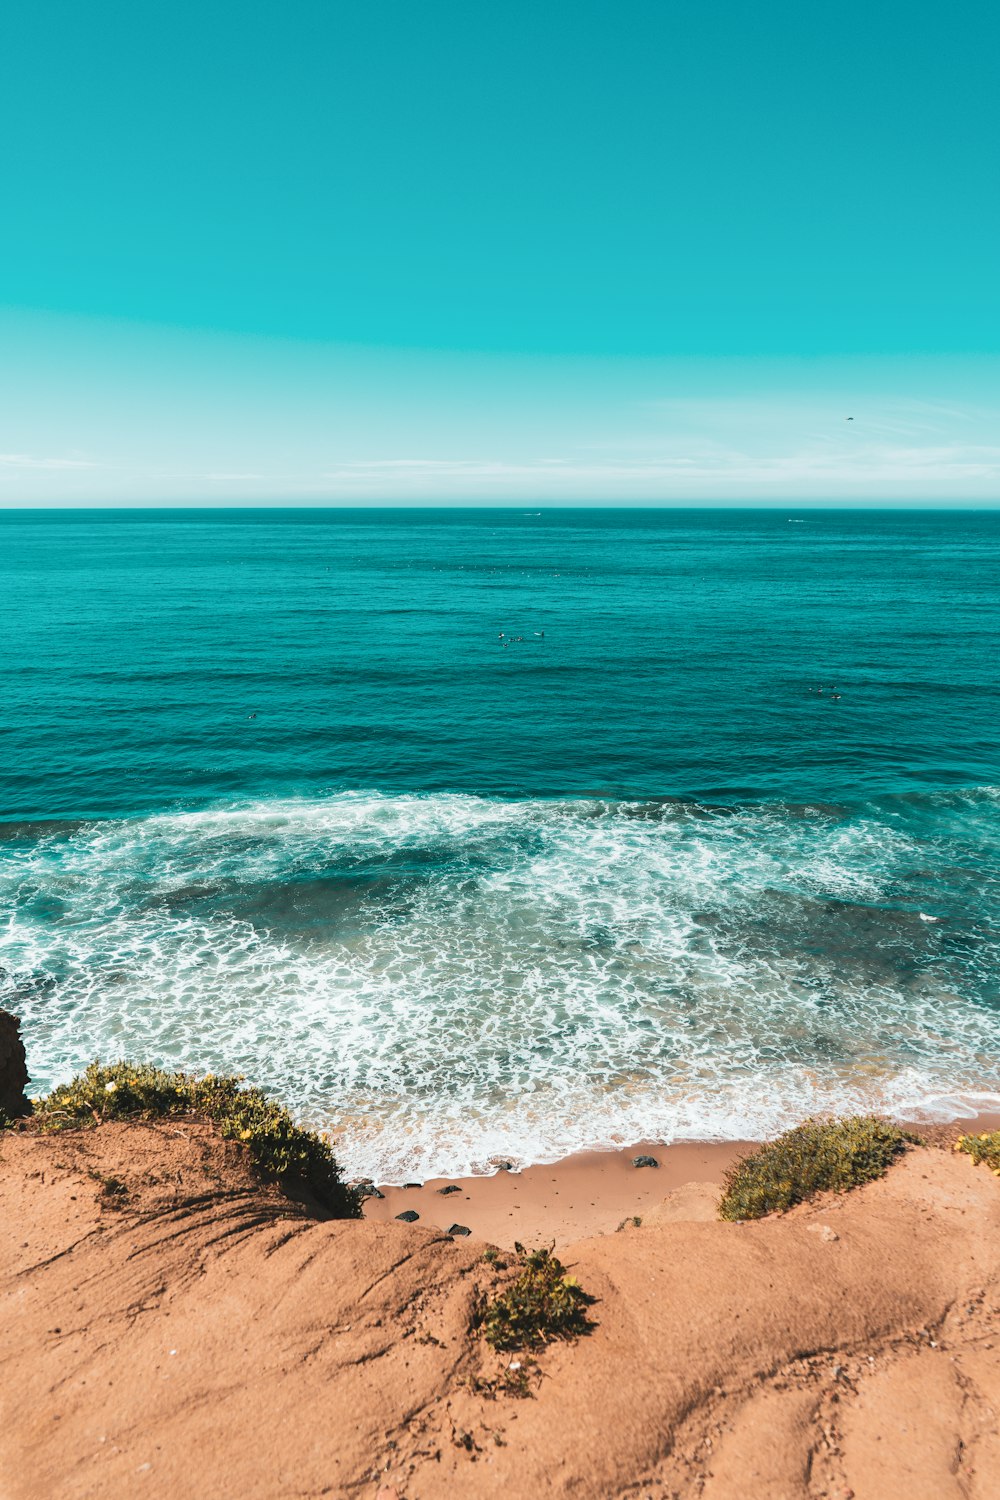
169, 1328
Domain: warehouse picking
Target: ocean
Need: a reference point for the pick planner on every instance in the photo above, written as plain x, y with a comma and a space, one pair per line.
493, 834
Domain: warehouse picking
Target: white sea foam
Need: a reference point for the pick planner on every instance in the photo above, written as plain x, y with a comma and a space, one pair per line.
443, 979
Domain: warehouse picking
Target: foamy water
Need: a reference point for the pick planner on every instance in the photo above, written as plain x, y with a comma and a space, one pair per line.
443, 979
621, 869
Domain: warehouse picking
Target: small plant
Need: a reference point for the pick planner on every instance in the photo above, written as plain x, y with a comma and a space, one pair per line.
982, 1148
111, 1187
815, 1157
541, 1304
632, 1222
277, 1146
516, 1380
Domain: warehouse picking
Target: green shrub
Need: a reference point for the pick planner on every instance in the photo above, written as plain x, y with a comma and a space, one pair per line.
122, 1091
541, 1304
982, 1148
817, 1156
277, 1147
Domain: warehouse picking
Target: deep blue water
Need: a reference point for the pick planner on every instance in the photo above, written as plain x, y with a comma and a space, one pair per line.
278, 795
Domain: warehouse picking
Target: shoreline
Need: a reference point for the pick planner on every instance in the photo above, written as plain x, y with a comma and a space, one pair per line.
591, 1193
170, 1312
586, 1194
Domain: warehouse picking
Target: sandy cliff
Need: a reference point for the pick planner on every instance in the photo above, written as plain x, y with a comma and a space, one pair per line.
170, 1328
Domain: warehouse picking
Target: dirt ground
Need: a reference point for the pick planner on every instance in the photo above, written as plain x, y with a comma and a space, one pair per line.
171, 1328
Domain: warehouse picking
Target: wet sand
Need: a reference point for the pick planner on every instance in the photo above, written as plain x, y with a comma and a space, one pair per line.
587, 1194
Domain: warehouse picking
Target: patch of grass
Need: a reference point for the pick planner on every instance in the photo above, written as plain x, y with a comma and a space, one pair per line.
632, 1222
278, 1147
817, 1156
111, 1187
517, 1383
517, 1379
542, 1303
982, 1148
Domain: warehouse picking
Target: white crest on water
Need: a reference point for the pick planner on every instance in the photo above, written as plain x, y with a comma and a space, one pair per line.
445, 979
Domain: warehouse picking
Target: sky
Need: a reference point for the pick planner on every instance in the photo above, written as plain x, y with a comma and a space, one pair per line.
643, 251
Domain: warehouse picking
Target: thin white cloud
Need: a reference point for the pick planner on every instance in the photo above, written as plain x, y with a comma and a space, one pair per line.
228, 478
750, 448
28, 461
871, 464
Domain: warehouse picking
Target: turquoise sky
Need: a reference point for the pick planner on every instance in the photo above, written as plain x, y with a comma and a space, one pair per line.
638, 251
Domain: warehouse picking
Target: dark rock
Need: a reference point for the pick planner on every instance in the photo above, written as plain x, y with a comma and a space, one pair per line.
409, 1216
451, 1188
365, 1188
13, 1068
645, 1161
459, 1229
412, 1184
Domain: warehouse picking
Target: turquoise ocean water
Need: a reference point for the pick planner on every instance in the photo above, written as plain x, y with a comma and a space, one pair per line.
276, 795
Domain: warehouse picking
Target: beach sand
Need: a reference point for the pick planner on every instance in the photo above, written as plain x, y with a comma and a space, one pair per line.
586, 1194
589, 1193
170, 1327
173, 1328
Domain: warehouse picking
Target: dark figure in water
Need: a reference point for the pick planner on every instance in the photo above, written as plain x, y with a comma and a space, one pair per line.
251, 716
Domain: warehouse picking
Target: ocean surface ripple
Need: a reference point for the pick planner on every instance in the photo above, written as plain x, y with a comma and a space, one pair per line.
278, 799
441, 979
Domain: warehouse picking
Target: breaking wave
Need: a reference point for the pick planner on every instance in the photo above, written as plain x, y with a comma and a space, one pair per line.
443, 979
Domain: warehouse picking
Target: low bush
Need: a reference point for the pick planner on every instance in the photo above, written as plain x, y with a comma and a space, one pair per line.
278, 1147
982, 1148
817, 1156
542, 1303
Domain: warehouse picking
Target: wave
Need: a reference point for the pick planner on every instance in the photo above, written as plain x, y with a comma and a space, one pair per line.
441, 979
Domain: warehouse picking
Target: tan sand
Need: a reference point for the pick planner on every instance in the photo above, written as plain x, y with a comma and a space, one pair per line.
170, 1329
583, 1195
586, 1194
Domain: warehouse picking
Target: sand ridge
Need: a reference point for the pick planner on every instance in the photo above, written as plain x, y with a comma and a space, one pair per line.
170, 1327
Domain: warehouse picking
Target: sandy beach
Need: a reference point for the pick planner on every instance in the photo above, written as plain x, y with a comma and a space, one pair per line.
500, 774
173, 1321
171, 1326
586, 1194
590, 1193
